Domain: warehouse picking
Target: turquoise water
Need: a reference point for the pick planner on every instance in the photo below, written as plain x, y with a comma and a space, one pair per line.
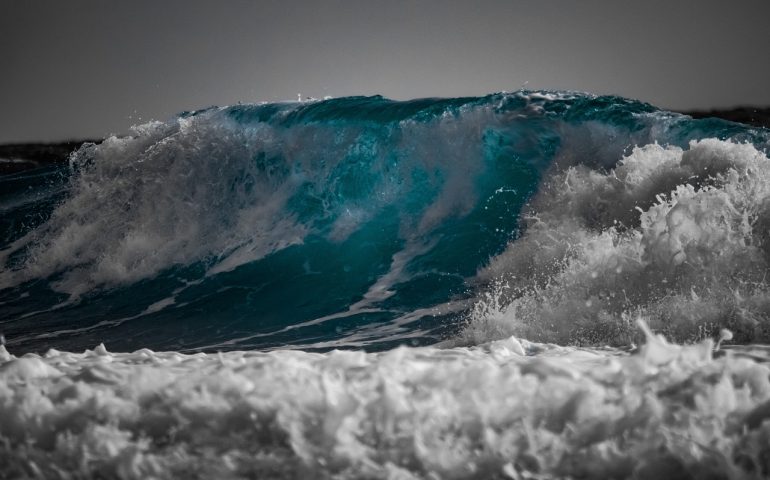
351, 222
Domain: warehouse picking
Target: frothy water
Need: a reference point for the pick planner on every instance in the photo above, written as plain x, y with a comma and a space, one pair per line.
483, 263
679, 237
506, 409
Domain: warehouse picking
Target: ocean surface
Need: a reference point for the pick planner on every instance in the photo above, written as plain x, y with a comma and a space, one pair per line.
522, 285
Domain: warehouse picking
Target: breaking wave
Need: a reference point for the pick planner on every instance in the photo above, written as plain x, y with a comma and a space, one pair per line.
364, 222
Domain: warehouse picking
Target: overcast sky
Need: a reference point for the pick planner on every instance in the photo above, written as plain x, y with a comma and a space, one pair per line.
80, 68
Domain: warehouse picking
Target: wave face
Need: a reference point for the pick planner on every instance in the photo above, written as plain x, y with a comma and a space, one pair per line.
366, 222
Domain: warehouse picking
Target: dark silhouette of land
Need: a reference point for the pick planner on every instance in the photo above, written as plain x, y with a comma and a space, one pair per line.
18, 157
757, 117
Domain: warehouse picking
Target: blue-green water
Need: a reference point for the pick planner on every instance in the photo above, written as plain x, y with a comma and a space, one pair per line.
363, 222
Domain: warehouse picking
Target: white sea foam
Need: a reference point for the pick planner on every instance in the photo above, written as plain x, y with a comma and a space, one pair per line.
680, 237
507, 409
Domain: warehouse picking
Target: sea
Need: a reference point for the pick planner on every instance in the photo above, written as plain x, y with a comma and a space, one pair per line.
525, 285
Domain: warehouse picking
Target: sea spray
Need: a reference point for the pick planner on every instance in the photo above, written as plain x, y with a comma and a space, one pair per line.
679, 236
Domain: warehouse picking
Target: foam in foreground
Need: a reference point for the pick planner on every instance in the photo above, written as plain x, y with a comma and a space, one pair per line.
507, 409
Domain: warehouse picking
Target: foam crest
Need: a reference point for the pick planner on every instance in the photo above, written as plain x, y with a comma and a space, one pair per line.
679, 237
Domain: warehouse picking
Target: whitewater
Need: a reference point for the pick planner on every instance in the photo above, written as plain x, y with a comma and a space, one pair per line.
522, 285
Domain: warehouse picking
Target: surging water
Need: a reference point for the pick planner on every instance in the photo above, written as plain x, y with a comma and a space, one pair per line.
363, 222
477, 254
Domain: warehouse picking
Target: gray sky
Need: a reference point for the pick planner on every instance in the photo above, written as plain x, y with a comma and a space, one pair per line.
79, 68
